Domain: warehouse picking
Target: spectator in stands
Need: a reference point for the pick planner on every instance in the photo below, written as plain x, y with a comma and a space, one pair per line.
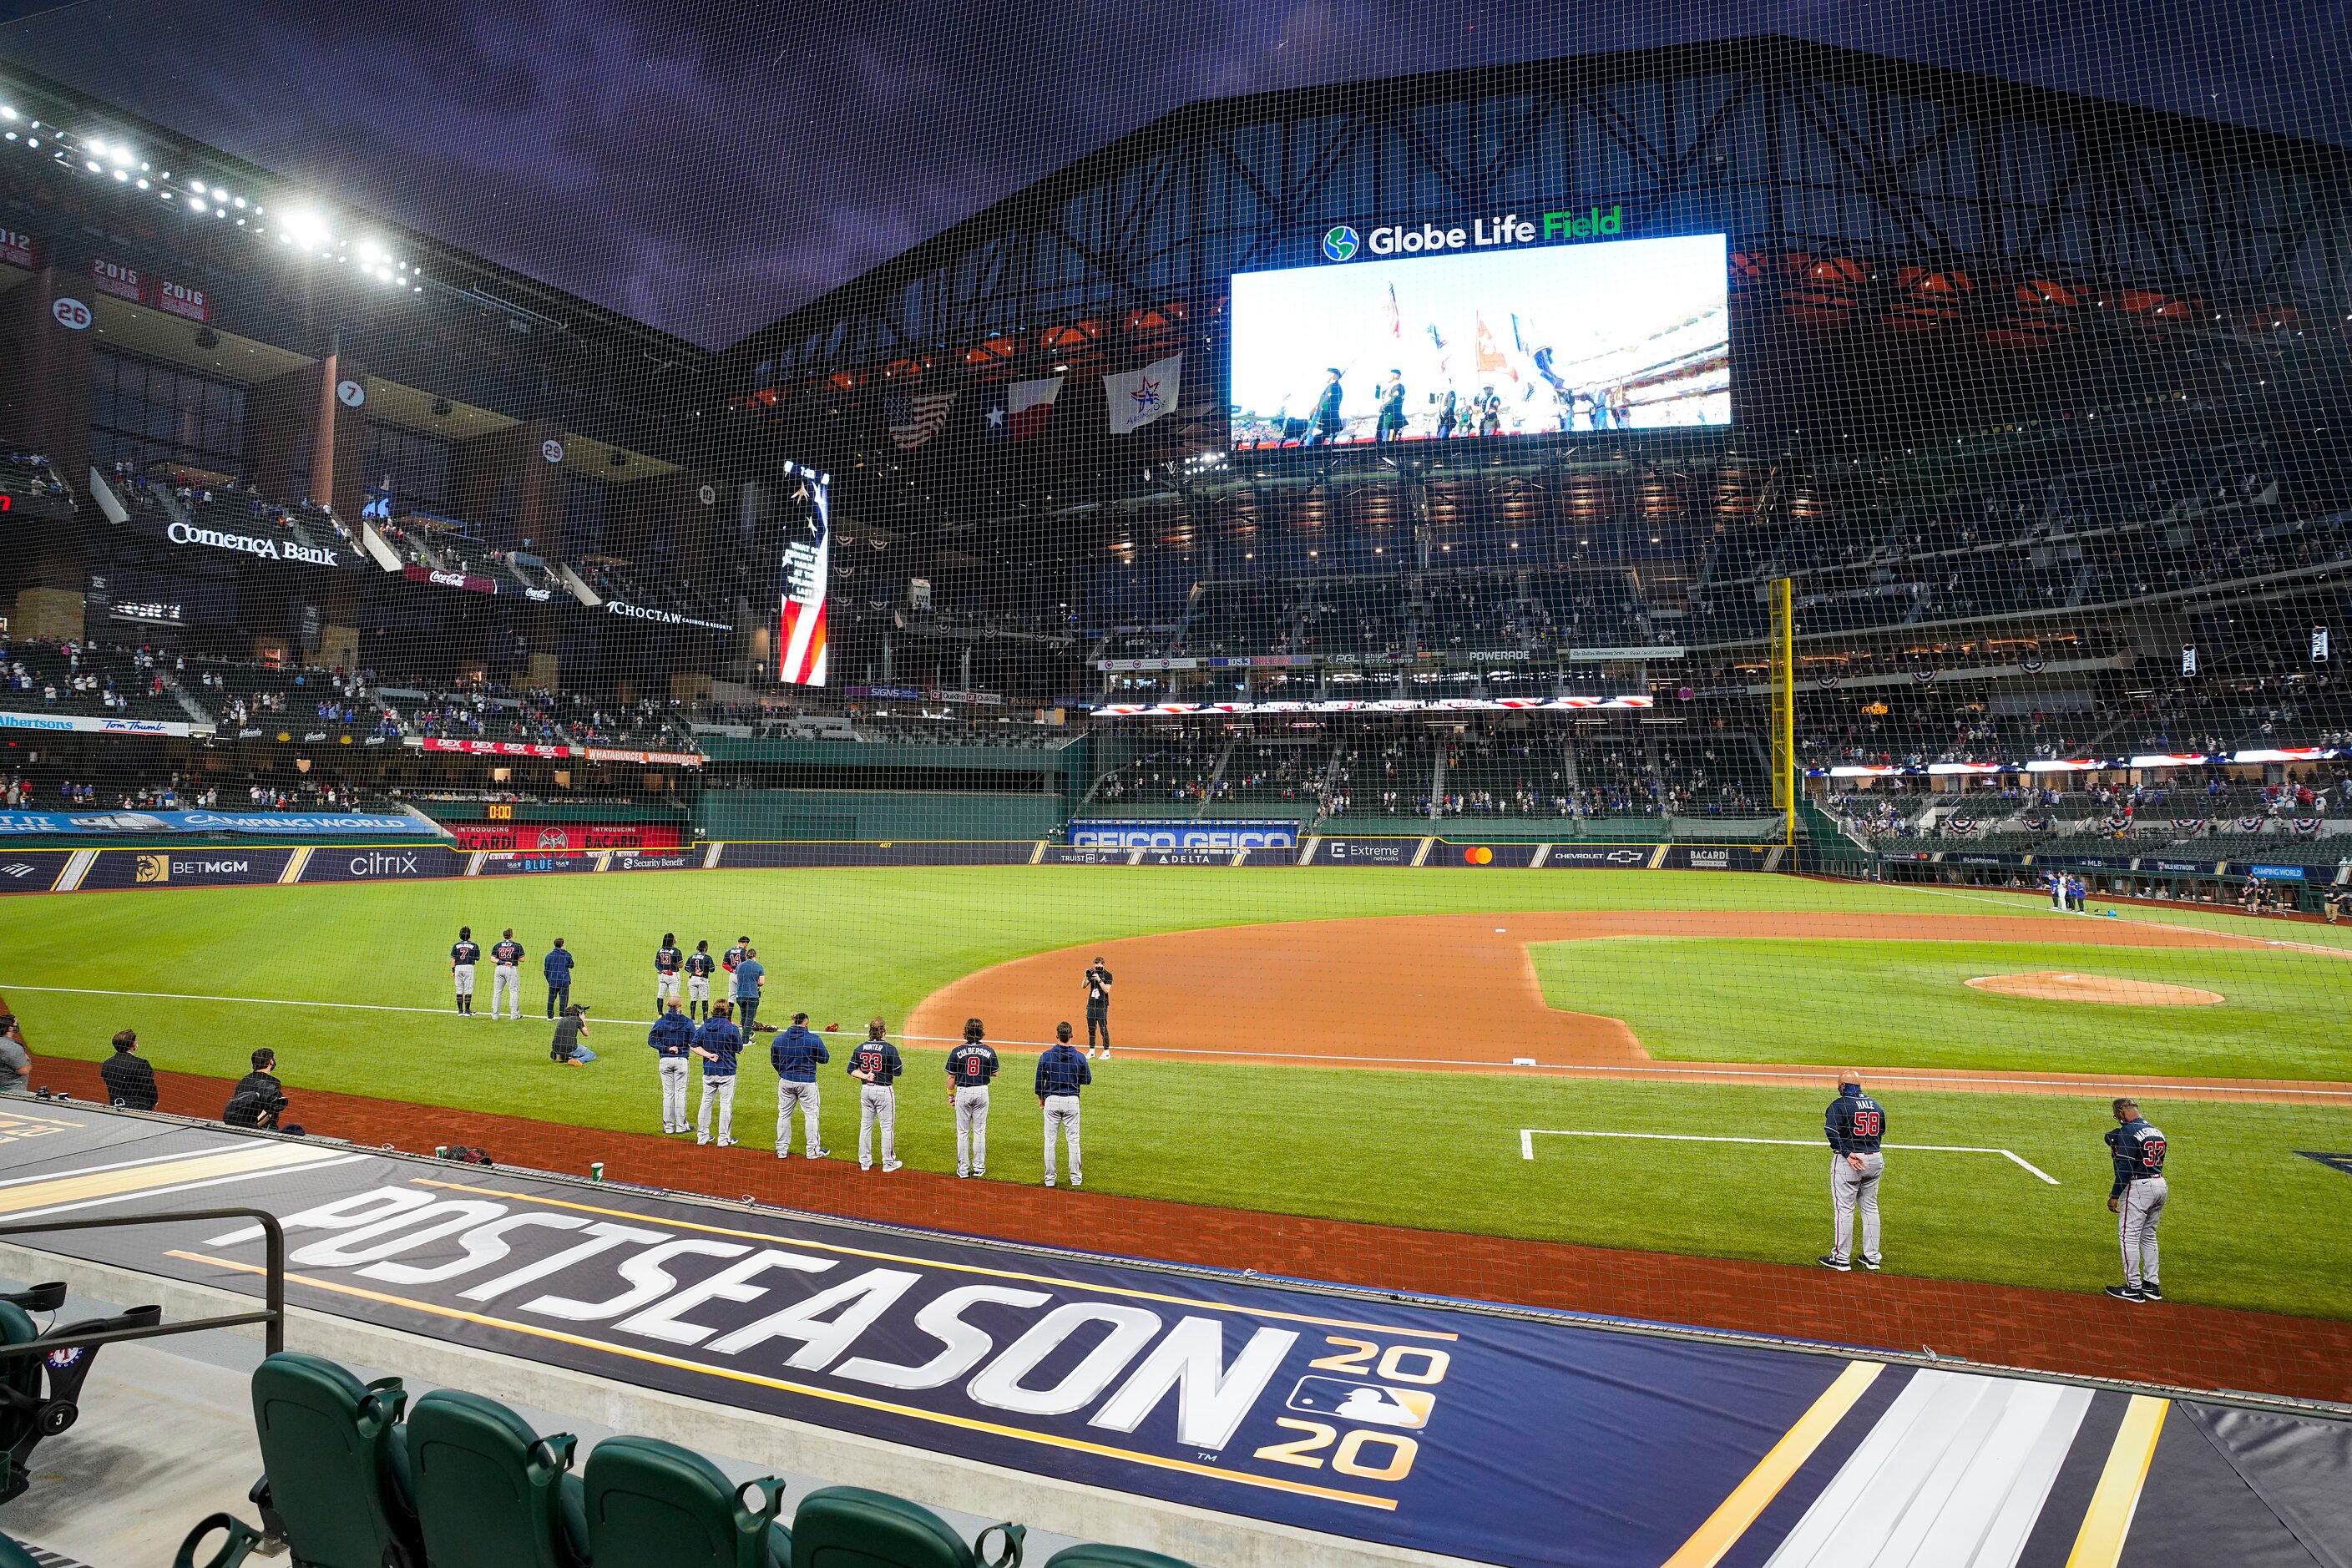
258, 1099
130, 1081
16, 1061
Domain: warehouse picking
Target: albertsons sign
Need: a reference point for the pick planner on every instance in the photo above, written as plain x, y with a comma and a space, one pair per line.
1343, 242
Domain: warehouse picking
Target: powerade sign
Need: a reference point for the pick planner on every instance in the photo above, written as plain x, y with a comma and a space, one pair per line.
1112, 834
1343, 242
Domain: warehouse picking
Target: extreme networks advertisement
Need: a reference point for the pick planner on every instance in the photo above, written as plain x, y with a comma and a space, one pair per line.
808, 562
1454, 342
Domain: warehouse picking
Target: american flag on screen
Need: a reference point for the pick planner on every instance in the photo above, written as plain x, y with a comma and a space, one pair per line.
913, 418
807, 567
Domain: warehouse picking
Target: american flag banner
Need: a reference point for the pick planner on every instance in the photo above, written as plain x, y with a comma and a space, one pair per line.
913, 418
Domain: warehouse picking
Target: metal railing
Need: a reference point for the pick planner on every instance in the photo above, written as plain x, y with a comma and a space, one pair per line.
272, 1315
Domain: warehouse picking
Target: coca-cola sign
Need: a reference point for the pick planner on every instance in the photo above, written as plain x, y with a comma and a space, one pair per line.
433, 575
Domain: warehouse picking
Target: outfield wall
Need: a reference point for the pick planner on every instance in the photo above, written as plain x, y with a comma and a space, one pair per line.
113, 869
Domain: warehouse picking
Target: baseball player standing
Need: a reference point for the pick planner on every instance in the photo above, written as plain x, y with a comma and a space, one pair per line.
2138, 1197
876, 1064
667, 961
699, 965
718, 1043
797, 1054
672, 1038
972, 1066
464, 954
1062, 1072
506, 979
1097, 987
1854, 1123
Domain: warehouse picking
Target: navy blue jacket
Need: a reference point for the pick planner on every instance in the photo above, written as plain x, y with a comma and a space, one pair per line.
2137, 1151
723, 1040
671, 1035
797, 1053
1062, 1070
557, 967
1855, 1123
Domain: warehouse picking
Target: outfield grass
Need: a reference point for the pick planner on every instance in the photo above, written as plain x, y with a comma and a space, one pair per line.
1907, 1004
2252, 1224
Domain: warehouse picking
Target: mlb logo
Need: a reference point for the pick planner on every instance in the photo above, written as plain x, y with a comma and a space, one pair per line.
1365, 1403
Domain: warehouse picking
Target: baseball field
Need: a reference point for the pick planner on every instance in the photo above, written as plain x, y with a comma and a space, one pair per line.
1625, 1059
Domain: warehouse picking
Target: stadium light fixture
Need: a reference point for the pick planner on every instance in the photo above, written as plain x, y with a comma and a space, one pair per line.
195, 204
305, 227
6, 112
197, 186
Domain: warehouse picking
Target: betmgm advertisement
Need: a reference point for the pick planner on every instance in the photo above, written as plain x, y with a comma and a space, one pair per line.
1411, 338
807, 565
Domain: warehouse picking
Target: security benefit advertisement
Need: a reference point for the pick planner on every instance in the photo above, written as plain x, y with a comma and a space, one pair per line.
1459, 344
1503, 1440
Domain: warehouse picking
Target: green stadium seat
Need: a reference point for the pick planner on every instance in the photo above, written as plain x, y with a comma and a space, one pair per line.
14, 1556
335, 1485
490, 1493
39, 1394
850, 1527
656, 1505
1111, 1557
241, 1542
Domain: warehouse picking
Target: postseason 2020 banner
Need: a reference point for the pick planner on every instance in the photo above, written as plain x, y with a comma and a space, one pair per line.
1116, 833
1497, 1439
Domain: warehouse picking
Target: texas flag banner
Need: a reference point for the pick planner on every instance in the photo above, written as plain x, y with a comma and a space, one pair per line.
1140, 396
1020, 412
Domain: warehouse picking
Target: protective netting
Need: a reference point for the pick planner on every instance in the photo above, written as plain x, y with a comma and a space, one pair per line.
1269, 557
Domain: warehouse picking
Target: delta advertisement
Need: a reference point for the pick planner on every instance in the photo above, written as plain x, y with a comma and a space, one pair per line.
1625, 335
1370, 1420
1183, 834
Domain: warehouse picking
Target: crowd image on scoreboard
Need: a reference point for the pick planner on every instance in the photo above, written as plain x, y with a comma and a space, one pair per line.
807, 563
1623, 335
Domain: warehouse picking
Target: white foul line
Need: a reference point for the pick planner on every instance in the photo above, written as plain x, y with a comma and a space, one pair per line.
1528, 1144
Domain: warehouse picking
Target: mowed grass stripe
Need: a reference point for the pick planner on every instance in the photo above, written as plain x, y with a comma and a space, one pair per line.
1908, 1003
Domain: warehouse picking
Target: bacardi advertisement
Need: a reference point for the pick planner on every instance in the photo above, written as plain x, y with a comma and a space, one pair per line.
566, 837
807, 565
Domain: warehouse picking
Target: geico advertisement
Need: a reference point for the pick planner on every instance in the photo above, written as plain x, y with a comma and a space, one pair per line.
1370, 1420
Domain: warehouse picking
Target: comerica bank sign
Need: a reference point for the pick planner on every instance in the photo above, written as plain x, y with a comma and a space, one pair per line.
1343, 242
250, 544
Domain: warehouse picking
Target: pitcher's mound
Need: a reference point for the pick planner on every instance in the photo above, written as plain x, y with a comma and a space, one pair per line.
2050, 985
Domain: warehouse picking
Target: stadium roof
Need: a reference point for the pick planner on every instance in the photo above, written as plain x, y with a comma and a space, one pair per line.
448, 271
2099, 120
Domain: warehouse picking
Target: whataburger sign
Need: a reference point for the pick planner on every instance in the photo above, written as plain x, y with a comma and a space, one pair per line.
1366, 1419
